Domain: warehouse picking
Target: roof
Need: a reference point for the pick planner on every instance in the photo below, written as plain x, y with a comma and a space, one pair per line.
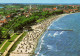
3, 21
54, 8
8, 16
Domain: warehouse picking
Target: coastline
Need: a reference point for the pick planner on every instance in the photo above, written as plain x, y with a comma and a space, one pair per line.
29, 43
59, 16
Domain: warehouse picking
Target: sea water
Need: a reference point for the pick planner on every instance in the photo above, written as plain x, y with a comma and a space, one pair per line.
61, 43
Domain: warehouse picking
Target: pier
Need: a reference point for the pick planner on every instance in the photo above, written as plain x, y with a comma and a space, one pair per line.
59, 30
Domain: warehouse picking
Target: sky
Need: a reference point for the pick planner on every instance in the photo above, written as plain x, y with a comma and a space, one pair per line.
40, 1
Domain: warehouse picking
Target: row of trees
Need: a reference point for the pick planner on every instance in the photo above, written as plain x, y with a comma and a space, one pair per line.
21, 21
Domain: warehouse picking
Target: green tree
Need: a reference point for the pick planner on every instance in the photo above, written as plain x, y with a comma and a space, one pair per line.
0, 42
0, 33
8, 36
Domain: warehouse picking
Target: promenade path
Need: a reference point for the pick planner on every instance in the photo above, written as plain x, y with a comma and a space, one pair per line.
8, 48
5, 42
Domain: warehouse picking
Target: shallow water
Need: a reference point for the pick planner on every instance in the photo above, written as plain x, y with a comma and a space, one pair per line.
61, 43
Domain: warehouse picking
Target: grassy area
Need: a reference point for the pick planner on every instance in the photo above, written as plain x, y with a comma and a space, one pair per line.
39, 20
13, 37
8, 43
16, 43
4, 47
2, 43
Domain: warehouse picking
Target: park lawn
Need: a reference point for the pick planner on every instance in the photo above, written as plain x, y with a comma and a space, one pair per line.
8, 43
17, 42
5, 46
2, 43
13, 37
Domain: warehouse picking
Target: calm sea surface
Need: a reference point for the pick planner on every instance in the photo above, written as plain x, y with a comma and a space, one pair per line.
61, 43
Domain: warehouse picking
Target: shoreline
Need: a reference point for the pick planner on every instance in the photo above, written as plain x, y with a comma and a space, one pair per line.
29, 43
60, 16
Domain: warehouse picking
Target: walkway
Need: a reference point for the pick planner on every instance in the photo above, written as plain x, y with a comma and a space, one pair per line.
6, 51
5, 42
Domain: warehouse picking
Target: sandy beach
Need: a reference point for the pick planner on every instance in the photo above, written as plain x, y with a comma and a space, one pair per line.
29, 43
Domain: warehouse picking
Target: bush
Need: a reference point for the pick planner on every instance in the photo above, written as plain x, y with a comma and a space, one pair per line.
8, 36
38, 21
0, 42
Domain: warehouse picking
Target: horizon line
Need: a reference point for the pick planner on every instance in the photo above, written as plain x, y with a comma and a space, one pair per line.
43, 3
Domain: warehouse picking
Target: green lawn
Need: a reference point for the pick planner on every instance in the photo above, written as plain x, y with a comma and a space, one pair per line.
13, 37
2, 43
16, 43
5, 46
8, 43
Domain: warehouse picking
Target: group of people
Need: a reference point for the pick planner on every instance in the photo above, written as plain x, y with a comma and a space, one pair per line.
29, 42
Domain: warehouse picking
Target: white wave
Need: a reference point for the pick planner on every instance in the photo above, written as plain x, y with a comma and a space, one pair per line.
59, 27
49, 47
52, 48
49, 26
61, 32
49, 34
55, 34
41, 44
